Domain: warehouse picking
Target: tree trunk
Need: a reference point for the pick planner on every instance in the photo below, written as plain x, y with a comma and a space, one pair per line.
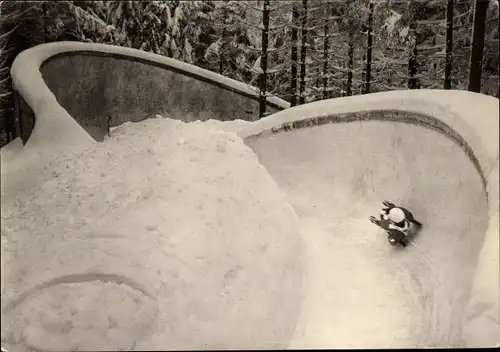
412, 58
449, 45
318, 74
413, 67
224, 33
476, 55
368, 70
363, 77
293, 58
175, 4
303, 49
350, 63
325, 51
263, 59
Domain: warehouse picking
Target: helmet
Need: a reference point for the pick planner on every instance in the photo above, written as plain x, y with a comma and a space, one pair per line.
396, 215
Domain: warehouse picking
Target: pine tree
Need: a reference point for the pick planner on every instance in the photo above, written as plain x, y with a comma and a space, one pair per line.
223, 35
293, 56
239, 48
490, 74
369, 49
476, 56
263, 61
449, 44
350, 63
326, 40
303, 52
413, 56
350, 21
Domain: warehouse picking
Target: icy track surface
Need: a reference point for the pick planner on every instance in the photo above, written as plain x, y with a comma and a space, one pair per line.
363, 293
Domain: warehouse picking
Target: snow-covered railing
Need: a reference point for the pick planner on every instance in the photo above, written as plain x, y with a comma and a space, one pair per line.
471, 120
101, 85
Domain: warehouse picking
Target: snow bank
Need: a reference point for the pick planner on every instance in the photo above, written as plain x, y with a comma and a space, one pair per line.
166, 235
466, 116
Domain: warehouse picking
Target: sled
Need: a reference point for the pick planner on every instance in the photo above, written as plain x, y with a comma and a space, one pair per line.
394, 237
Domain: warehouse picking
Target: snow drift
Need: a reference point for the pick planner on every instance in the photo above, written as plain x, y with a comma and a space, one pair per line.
167, 235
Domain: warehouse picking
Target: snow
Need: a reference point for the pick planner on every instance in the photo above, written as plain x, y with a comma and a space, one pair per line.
391, 21
127, 220
175, 221
10, 151
257, 67
473, 116
363, 293
483, 308
54, 127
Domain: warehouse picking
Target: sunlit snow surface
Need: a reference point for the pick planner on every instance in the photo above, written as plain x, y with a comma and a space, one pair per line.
363, 292
162, 199
160, 237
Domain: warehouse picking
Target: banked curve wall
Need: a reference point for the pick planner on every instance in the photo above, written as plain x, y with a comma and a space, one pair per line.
472, 121
102, 85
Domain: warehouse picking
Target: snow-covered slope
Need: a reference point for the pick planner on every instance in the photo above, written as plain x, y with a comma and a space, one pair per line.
106, 213
167, 235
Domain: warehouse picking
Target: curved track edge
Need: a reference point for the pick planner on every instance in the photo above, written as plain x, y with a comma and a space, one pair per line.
469, 119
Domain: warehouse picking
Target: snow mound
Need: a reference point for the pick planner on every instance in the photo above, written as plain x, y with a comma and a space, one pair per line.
181, 214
